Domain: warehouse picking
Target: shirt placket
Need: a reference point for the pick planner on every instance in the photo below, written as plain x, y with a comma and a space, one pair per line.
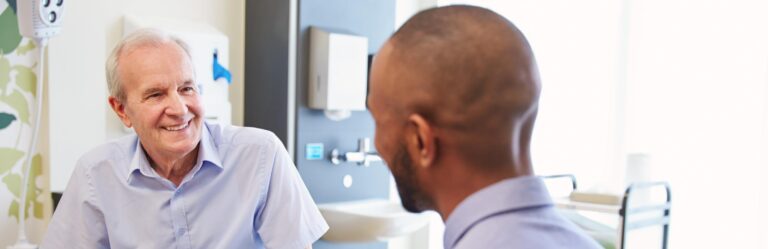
179, 220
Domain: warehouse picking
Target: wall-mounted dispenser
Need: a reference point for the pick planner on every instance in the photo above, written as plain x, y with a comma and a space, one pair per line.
338, 73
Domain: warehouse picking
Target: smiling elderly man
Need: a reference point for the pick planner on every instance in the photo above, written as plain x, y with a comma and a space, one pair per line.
179, 182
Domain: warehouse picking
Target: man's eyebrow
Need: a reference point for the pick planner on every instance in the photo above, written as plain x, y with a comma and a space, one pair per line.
151, 90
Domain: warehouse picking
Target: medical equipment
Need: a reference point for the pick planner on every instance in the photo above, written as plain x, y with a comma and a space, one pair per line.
38, 20
632, 216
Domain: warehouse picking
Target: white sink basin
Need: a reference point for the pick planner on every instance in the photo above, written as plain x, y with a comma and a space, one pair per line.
369, 220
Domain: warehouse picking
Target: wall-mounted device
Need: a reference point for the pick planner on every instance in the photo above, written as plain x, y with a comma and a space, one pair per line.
364, 156
338, 72
39, 18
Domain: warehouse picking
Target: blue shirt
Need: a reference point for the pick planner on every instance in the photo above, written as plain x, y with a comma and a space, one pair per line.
243, 192
513, 213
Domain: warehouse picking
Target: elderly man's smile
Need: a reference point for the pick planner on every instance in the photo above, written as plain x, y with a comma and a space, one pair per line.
180, 127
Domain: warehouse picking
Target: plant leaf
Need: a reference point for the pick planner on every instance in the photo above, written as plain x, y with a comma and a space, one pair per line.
8, 158
33, 191
13, 183
38, 212
6, 119
26, 79
17, 101
22, 50
13, 210
5, 72
37, 171
10, 27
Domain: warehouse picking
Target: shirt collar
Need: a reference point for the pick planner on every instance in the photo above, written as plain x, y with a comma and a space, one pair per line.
504, 196
208, 153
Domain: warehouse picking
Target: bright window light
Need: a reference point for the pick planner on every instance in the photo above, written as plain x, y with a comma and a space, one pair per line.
682, 83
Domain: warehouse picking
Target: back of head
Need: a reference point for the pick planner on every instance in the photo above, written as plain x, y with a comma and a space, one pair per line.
472, 73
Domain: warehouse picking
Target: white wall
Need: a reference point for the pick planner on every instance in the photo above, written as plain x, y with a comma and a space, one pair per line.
79, 115
697, 78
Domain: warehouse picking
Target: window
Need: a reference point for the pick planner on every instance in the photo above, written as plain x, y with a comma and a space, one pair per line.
683, 83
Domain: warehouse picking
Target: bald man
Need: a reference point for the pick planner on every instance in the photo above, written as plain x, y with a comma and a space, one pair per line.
454, 93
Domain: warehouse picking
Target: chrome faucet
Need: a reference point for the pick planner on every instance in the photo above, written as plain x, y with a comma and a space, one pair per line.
363, 156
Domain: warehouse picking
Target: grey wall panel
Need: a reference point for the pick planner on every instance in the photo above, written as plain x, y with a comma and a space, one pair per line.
267, 35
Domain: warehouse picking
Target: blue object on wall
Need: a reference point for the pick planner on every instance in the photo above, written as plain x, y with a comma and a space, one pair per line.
219, 71
315, 151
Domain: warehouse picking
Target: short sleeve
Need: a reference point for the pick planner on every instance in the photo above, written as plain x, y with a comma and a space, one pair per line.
289, 218
78, 221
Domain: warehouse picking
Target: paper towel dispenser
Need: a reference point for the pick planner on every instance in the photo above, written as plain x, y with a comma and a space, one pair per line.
338, 71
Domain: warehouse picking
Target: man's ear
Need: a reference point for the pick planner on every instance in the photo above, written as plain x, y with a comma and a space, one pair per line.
119, 109
421, 140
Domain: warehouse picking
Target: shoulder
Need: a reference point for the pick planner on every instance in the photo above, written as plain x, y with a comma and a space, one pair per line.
109, 153
238, 136
99, 166
532, 228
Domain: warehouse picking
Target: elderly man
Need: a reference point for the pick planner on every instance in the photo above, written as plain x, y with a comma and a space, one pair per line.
454, 94
179, 182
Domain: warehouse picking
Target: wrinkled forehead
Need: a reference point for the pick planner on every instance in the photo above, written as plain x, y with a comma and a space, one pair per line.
149, 56
154, 64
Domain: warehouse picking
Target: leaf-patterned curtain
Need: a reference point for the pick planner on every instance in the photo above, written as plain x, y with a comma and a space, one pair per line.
18, 79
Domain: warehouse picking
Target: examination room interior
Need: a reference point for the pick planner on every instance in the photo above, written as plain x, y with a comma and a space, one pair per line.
672, 92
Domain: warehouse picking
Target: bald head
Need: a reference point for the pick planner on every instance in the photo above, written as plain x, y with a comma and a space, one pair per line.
463, 67
470, 73
454, 93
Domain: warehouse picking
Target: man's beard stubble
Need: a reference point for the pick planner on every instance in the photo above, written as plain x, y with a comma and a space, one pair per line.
411, 195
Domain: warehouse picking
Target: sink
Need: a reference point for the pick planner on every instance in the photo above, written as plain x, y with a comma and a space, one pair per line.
369, 220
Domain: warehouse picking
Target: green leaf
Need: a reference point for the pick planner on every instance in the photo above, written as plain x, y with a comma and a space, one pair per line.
33, 192
8, 158
6, 119
26, 79
38, 212
26, 48
5, 72
37, 171
13, 183
10, 38
13, 210
17, 101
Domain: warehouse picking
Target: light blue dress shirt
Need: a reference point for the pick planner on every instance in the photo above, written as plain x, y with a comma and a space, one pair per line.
513, 213
243, 192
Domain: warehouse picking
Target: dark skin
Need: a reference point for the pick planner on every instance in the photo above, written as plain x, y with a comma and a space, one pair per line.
454, 94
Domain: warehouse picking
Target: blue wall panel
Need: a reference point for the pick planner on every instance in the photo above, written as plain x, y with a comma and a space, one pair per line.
375, 20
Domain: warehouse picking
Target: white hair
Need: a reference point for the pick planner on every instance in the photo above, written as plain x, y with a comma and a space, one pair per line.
138, 38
